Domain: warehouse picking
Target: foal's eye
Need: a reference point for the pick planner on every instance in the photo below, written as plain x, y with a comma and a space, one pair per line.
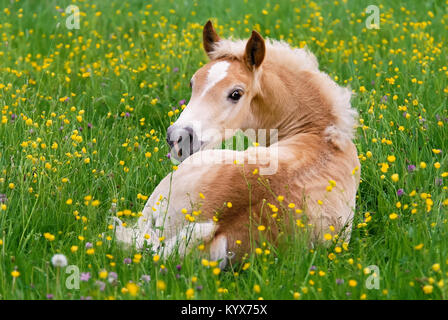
236, 95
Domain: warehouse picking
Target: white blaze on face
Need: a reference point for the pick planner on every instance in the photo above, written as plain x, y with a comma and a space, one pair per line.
216, 73
197, 115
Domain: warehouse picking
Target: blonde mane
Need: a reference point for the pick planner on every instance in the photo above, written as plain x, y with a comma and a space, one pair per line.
296, 59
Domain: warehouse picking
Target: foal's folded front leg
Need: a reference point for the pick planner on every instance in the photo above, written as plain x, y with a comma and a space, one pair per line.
156, 220
163, 220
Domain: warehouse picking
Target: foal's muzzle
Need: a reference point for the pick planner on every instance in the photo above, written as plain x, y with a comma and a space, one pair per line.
183, 142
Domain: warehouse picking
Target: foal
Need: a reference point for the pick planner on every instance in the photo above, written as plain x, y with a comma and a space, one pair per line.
254, 85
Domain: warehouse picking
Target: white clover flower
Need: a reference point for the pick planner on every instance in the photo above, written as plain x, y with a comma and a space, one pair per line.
59, 260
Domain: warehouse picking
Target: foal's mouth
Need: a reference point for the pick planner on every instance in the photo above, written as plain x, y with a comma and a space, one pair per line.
179, 151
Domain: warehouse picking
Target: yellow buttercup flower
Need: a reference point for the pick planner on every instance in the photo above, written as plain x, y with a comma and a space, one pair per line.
427, 289
352, 283
419, 246
132, 288
391, 158
161, 285
189, 293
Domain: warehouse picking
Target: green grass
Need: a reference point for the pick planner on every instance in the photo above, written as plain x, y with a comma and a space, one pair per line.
134, 61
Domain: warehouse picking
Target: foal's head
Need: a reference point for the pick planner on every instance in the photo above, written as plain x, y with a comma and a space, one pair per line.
222, 91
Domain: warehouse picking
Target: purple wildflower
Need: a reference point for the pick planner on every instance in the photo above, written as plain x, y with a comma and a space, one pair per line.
339, 281
411, 168
50, 296
175, 69
101, 285
127, 261
89, 245
89, 125
145, 278
3, 198
112, 277
85, 276
178, 267
13, 116
181, 102
400, 192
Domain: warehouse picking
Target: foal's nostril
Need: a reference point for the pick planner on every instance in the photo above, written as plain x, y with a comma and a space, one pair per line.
168, 136
170, 143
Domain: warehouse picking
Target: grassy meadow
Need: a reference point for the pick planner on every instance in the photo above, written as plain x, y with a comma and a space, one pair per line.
83, 119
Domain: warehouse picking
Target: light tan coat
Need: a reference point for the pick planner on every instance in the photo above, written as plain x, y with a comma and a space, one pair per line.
284, 90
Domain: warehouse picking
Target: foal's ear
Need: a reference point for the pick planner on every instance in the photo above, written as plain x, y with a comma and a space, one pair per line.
209, 36
255, 51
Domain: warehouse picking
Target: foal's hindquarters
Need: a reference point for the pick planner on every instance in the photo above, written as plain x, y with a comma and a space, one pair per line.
221, 203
